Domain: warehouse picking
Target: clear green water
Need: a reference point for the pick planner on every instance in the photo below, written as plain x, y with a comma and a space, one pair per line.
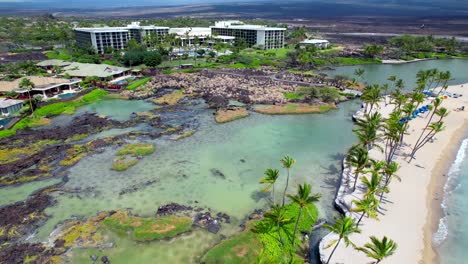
379, 73
119, 110
183, 169
20, 193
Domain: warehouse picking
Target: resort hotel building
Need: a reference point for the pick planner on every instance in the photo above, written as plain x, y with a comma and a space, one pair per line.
115, 37
224, 31
254, 35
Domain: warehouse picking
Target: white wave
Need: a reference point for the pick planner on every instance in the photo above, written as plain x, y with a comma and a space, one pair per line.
449, 187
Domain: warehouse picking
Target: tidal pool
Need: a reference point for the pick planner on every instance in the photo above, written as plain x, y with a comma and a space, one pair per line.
240, 150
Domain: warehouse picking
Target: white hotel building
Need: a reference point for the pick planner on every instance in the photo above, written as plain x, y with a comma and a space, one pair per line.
115, 37
254, 35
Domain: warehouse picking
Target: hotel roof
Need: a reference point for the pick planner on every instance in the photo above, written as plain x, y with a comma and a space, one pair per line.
315, 41
4, 103
40, 83
88, 69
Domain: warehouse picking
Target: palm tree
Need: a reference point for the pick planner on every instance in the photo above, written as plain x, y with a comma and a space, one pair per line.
379, 249
359, 73
358, 157
433, 128
343, 227
368, 205
278, 217
367, 131
271, 175
302, 198
28, 85
390, 172
373, 184
287, 162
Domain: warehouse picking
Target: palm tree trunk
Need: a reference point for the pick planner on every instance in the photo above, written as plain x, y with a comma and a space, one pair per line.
286, 188
295, 227
355, 180
360, 218
279, 233
273, 194
333, 251
30, 103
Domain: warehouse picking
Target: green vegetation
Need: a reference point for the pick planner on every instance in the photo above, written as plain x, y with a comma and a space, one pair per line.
147, 229
74, 154
137, 83
230, 114
136, 150
123, 163
40, 114
242, 248
59, 54
353, 61
186, 134
294, 96
289, 109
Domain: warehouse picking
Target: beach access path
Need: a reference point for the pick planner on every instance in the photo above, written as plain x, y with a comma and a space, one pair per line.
405, 211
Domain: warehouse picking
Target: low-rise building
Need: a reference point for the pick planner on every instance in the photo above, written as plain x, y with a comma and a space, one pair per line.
319, 43
115, 37
103, 71
254, 35
10, 106
45, 86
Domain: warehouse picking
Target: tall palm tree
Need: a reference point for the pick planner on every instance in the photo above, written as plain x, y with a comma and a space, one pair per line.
302, 198
343, 227
434, 129
367, 131
28, 85
390, 173
359, 73
368, 205
379, 249
287, 162
271, 175
358, 157
373, 184
278, 217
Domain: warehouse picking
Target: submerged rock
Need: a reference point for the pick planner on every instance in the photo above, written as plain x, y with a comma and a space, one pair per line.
172, 208
217, 173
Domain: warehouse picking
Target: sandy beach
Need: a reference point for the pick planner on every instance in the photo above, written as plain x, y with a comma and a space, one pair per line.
410, 213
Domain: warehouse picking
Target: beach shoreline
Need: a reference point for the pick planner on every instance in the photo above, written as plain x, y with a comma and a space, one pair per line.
412, 234
435, 192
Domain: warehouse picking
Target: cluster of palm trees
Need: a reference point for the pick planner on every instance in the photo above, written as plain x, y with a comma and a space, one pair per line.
277, 215
386, 135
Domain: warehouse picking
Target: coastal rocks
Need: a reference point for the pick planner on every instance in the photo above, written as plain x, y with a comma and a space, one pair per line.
105, 260
172, 208
206, 221
19, 219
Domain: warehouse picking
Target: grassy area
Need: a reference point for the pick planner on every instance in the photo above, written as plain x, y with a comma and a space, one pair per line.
8, 155
135, 84
59, 54
53, 110
353, 61
147, 229
260, 242
242, 248
137, 150
294, 96
273, 250
228, 115
74, 154
171, 98
290, 109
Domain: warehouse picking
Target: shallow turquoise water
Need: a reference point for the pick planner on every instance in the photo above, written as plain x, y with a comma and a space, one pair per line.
119, 110
452, 237
379, 73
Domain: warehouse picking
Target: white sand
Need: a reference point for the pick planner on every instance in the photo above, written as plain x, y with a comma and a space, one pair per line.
405, 209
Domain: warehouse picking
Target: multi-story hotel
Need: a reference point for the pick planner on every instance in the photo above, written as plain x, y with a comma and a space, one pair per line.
115, 37
254, 35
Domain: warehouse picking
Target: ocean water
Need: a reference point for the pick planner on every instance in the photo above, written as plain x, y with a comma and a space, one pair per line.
451, 238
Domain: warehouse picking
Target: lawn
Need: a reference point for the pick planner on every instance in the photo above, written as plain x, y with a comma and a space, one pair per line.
59, 54
41, 114
292, 109
137, 83
136, 150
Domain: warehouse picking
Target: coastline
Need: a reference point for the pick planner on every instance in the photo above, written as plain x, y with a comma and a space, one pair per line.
436, 194
413, 234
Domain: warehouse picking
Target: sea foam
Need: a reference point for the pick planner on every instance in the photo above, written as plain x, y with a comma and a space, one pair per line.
442, 231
